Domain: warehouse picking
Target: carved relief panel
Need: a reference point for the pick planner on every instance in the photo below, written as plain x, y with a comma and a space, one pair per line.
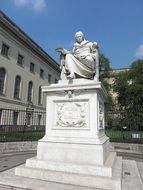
71, 114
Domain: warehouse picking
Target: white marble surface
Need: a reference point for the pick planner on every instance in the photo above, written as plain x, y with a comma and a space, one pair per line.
83, 60
74, 126
72, 152
75, 149
55, 173
8, 180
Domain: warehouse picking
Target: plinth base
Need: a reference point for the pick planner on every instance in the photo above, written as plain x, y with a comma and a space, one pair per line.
75, 149
82, 175
76, 163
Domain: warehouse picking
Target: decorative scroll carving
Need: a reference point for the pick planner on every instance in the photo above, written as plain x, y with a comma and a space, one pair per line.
101, 115
71, 114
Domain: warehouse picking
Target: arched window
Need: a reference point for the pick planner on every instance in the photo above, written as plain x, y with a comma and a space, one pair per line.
2, 80
17, 87
30, 92
40, 96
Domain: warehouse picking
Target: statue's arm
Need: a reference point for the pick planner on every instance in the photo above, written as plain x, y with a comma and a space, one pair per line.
62, 51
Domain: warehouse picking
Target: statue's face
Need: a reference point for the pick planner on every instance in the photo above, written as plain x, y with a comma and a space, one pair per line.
79, 38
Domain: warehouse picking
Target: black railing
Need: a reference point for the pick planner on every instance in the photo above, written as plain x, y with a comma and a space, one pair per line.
124, 124
28, 125
21, 125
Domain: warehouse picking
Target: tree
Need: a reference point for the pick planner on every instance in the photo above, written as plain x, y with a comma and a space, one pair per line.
129, 88
120, 87
104, 74
104, 65
129, 85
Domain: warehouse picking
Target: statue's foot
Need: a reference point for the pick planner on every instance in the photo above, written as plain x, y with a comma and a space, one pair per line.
71, 76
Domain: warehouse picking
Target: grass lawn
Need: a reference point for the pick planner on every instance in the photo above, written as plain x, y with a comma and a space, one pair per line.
125, 136
34, 135
21, 136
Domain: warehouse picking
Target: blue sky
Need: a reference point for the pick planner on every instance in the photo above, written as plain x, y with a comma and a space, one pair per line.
116, 25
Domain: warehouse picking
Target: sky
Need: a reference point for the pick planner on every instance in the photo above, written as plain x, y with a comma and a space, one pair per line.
116, 25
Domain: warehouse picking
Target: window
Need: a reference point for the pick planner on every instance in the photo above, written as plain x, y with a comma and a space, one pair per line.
39, 119
32, 67
0, 116
17, 87
4, 50
15, 117
20, 59
28, 118
49, 78
42, 73
2, 80
30, 92
40, 96
56, 80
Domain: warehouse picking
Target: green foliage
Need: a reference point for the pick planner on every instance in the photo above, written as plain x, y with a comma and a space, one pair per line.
121, 87
129, 85
129, 88
9, 136
105, 65
124, 136
104, 73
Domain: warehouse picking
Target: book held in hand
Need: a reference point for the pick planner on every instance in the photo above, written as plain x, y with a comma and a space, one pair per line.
61, 50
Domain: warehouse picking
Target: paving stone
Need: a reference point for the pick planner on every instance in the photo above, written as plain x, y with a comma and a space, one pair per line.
132, 175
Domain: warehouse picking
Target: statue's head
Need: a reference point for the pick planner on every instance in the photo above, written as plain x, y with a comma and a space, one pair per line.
79, 37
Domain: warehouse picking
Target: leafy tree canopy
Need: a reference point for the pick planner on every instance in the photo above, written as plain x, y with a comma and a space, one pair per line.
104, 73
104, 63
129, 88
129, 85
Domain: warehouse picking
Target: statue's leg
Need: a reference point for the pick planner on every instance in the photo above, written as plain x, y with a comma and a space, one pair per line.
68, 63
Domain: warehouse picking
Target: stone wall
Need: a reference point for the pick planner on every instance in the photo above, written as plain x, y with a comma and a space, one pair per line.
32, 146
18, 146
127, 148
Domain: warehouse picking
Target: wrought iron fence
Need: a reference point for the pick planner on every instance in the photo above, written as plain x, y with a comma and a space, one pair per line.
21, 125
124, 125
28, 125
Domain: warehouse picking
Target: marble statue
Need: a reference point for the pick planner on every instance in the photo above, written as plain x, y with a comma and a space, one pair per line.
75, 149
82, 61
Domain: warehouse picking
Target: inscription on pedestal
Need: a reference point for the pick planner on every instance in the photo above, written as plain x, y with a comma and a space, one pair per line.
71, 114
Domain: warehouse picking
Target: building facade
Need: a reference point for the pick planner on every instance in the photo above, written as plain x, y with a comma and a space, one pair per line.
24, 68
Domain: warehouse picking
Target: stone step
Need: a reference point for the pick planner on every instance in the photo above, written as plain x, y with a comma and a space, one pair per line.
104, 183
12, 182
111, 159
70, 167
118, 167
85, 169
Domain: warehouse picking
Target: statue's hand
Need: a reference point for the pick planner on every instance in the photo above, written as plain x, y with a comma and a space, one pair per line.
95, 45
62, 51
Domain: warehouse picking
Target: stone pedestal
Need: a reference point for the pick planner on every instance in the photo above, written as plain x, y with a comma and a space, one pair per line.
75, 149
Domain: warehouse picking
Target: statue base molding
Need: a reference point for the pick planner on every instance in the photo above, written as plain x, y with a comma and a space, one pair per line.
75, 149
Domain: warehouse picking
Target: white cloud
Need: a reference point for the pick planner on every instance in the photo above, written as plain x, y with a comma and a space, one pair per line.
37, 5
22, 2
139, 52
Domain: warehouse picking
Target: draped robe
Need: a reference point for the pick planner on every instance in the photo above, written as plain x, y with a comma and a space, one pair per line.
81, 61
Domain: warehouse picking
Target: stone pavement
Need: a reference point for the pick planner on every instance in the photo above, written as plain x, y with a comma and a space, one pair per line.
10, 160
132, 174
